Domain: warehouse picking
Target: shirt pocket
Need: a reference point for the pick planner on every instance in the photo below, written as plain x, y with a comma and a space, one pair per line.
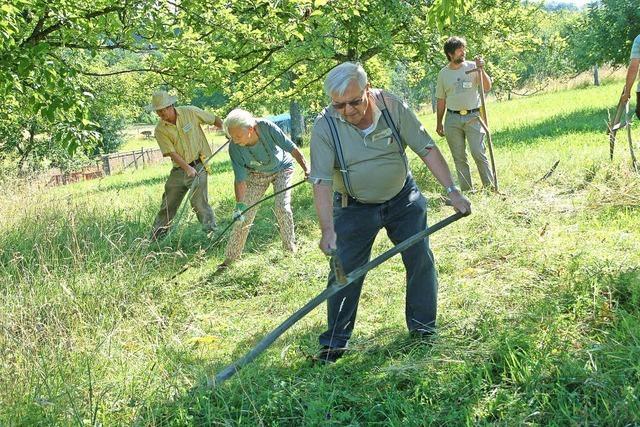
383, 141
464, 85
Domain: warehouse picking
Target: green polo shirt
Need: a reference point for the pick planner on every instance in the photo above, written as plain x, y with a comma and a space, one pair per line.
457, 88
185, 137
376, 167
269, 155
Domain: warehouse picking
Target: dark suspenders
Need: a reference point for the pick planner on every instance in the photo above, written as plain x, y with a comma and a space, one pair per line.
335, 137
394, 129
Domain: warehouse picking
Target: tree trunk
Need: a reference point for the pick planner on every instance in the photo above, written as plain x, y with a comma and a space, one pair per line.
596, 78
434, 102
297, 124
24, 153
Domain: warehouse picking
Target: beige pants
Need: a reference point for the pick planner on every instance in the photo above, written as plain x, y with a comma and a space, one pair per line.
257, 185
175, 189
456, 128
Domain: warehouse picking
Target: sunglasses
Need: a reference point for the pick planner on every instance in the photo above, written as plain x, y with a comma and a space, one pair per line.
353, 103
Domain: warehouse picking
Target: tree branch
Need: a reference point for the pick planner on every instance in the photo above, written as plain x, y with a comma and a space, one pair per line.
40, 34
277, 76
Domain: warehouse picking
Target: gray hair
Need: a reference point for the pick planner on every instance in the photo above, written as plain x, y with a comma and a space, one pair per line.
340, 76
238, 118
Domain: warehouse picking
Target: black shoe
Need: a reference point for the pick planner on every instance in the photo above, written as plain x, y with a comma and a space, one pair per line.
329, 354
424, 335
221, 269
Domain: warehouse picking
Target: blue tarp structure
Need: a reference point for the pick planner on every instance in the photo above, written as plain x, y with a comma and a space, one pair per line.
283, 121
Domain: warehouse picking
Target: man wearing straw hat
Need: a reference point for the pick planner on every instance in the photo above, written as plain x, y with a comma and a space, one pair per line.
180, 137
457, 92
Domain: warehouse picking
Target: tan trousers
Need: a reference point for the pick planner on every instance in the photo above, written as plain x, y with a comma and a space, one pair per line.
456, 128
175, 188
257, 185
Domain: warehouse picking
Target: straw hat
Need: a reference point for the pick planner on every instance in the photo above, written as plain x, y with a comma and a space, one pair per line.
161, 99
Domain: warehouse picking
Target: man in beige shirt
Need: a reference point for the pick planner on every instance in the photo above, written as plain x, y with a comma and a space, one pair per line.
358, 148
180, 137
457, 91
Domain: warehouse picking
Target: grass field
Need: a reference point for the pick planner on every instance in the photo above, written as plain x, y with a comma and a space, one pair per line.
539, 300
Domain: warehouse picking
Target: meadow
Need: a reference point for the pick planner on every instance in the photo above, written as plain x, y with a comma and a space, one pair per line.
539, 298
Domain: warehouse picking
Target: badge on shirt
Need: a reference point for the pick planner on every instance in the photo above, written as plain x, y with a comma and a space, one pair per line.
254, 163
386, 133
187, 128
467, 84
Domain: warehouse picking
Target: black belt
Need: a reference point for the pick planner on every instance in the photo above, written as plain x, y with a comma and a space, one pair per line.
194, 163
464, 112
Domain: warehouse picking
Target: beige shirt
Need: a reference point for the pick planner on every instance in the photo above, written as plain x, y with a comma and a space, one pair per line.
376, 167
459, 89
185, 137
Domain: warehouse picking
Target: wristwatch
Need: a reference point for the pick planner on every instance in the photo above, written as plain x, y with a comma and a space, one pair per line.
451, 189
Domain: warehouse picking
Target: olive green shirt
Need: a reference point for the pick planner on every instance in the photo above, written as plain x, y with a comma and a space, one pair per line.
376, 167
457, 88
185, 137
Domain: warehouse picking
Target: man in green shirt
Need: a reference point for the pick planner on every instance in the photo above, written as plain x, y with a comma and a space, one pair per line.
358, 150
261, 155
457, 92
180, 137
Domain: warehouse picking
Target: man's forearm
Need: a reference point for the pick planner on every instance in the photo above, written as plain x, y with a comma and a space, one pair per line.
179, 161
297, 154
440, 110
486, 81
240, 189
322, 201
632, 73
438, 167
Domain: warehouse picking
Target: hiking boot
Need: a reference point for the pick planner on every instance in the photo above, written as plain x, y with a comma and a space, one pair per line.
329, 354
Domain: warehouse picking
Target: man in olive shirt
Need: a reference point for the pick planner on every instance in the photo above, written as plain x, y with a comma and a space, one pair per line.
632, 73
457, 91
358, 149
181, 138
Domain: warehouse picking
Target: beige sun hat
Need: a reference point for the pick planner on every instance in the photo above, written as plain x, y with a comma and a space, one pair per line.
161, 99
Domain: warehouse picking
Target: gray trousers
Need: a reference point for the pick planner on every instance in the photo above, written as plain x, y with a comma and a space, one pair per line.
456, 128
175, 189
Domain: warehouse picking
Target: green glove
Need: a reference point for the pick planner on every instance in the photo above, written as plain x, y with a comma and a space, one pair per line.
237, 213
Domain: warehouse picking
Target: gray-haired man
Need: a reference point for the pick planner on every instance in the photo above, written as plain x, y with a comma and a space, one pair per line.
358, 149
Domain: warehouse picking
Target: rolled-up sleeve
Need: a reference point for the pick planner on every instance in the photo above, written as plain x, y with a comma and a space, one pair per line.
166, 147
322, 154
203, 116
440, 92
635, 49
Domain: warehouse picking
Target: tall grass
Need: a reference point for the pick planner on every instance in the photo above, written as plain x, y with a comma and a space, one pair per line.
538, 303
